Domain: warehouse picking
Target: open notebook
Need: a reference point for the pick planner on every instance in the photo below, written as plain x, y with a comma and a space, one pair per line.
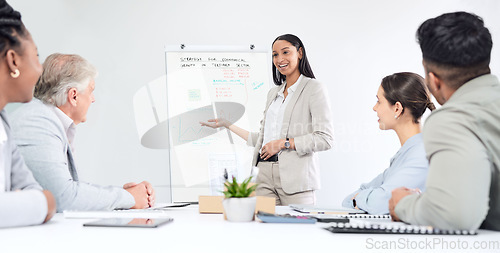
310, 209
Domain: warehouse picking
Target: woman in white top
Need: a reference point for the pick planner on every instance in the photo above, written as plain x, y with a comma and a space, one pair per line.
23, 202
296, 125
402, 99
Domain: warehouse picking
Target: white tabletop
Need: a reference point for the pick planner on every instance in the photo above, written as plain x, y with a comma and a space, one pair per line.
194, 232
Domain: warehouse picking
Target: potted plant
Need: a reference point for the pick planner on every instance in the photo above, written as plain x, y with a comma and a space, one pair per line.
238, 205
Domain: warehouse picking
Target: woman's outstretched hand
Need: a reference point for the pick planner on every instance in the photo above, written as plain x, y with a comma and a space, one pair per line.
216, 123
221, 122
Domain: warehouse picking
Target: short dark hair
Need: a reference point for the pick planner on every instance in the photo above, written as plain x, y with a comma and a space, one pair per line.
410, 90
11, 27
458, 45
304, 67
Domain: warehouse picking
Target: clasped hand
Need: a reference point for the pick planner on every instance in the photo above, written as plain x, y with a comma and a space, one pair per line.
143, 193
397, 195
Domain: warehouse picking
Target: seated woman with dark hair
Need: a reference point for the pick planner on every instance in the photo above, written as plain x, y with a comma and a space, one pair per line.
23, 202
402, 100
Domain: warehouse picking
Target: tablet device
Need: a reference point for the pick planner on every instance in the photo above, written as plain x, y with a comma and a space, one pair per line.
284, 218
326, 218
129, 222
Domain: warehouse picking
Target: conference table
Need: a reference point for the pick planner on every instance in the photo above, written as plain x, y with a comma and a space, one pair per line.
194, 232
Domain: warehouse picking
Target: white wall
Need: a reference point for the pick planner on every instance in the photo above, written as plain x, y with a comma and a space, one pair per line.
351, 45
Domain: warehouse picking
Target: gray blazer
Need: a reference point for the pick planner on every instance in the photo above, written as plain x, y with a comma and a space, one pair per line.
42, 140
308, 120
25, 207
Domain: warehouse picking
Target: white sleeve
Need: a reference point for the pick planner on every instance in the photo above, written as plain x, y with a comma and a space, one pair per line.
22, 208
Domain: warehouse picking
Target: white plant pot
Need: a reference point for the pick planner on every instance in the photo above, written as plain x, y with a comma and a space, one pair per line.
239, 209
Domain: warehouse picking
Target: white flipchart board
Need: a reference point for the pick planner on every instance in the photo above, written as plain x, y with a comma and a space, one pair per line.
205, 83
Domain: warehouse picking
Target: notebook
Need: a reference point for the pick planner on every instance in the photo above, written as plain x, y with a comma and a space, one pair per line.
310, 209
392, 228
348, 217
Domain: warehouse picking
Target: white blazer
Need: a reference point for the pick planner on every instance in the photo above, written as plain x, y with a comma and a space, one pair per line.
308, 120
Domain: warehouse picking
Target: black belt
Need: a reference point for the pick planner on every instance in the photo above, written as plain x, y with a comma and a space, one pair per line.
273, 158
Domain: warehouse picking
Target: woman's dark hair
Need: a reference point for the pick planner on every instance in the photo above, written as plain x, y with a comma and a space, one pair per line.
409, 89
304, 67
11, 27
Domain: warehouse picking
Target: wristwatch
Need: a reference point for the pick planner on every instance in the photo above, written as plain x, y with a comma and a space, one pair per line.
287, 143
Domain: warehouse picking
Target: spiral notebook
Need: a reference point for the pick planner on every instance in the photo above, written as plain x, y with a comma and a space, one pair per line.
310, 209
393, 228
365, 216
349, 217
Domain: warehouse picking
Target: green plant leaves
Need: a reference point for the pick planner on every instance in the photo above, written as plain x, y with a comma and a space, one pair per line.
235, 190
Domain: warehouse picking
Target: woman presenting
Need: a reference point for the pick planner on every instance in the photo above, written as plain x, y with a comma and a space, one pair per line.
296, 125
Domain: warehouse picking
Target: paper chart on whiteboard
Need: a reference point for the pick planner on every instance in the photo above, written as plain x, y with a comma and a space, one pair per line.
207, 85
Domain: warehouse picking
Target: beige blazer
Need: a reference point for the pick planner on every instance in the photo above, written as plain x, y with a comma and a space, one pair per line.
308, 120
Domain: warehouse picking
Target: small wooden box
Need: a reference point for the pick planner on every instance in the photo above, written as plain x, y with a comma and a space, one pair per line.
213, 204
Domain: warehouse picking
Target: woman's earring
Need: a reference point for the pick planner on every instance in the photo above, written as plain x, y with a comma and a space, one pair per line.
15, 74
396, 116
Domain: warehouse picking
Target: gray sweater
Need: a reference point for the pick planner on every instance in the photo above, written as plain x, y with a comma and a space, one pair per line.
462, 143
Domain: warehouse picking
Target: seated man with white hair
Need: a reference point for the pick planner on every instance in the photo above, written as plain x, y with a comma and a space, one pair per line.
44, 130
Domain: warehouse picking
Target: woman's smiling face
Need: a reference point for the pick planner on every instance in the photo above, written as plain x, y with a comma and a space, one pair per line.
385, 111
286, 57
